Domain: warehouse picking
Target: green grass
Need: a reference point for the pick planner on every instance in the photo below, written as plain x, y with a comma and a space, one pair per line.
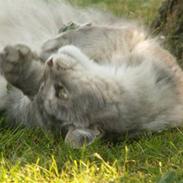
35, 156
142, 10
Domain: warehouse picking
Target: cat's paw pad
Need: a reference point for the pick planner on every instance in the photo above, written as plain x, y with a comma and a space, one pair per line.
17, 53
68, 27
14, 59
74, 26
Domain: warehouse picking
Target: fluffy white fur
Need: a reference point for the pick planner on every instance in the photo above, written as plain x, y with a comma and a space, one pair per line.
32, 22
139, 82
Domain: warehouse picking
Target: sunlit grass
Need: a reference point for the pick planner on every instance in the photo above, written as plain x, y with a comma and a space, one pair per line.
36, 156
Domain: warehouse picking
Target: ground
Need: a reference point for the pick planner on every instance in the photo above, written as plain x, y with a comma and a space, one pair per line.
36, 156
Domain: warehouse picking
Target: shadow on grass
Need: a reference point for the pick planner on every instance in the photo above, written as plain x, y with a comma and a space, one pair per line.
151, 155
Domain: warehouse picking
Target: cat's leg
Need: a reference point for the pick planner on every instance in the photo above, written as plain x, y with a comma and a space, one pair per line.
86, 37
17, 107
21, 68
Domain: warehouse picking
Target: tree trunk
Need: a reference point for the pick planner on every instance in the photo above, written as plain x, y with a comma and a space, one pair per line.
169, 23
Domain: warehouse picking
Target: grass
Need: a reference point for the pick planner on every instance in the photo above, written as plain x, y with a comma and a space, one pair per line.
142, 10
36, 156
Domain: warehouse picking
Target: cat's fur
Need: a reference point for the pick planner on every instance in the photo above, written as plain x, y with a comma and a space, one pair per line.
113, 79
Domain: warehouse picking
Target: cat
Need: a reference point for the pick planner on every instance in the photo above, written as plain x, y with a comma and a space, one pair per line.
91, 79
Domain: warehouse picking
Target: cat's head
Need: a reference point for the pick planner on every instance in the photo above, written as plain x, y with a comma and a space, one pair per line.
70, 91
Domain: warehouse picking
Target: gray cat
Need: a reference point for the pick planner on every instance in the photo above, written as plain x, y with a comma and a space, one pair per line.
93, 80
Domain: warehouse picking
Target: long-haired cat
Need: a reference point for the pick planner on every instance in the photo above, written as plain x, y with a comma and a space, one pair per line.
89, 80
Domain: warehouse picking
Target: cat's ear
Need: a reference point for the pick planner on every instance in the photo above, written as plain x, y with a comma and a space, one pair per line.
50, 62
80, 137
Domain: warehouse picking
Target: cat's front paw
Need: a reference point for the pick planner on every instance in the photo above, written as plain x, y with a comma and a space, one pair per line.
68, 27
78, 138
15, 60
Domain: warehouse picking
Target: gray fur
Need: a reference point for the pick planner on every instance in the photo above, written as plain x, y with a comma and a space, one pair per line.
97, 80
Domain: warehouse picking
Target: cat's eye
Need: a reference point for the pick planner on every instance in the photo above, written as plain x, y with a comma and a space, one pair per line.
61, 92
